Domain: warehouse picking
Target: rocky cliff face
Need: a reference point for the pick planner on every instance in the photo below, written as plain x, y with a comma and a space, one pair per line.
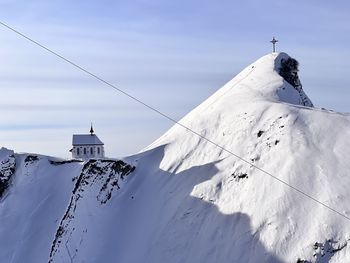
7, 169
97, 182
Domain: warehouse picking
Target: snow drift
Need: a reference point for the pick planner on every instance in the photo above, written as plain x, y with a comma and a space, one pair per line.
188, 200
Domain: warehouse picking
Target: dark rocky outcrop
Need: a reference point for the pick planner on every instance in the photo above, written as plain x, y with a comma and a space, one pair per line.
7, 170
289, 71
323, 252
53, 162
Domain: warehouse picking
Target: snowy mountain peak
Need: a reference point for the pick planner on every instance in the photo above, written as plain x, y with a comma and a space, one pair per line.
273, 77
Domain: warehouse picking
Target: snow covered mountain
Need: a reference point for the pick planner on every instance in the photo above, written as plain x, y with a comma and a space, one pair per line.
184, 199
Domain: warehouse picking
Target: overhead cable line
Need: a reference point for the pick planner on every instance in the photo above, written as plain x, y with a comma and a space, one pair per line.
173, 120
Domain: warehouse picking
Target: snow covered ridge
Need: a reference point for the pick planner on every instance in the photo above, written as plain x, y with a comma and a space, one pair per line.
43, 198
98, 180
265, 79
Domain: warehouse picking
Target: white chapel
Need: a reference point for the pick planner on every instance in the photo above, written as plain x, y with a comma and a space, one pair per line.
87, 146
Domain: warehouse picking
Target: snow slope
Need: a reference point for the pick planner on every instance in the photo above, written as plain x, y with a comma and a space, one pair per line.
189, 200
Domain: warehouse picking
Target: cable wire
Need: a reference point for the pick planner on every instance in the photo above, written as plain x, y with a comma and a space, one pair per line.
173, 120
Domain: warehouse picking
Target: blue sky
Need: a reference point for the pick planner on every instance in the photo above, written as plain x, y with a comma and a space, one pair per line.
171, 54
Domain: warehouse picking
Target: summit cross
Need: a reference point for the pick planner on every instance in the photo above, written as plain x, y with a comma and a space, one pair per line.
274, 41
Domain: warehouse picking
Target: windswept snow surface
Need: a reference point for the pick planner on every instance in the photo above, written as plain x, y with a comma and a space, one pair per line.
189, 200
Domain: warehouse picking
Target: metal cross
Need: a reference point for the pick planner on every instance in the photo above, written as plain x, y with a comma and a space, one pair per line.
274, 41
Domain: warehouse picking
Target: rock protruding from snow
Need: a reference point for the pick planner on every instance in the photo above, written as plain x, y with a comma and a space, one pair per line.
324, 252
7, 169
288, 69
97, 181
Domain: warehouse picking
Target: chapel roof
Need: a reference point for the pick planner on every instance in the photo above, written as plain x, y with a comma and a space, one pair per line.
86, 139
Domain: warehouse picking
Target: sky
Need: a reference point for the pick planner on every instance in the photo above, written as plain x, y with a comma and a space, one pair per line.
170, 54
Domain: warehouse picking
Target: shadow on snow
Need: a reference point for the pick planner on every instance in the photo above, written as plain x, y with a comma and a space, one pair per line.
195, 230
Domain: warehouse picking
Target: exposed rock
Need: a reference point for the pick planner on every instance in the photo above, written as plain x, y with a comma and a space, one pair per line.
64, 162
30, 159
7, 170
289, 71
